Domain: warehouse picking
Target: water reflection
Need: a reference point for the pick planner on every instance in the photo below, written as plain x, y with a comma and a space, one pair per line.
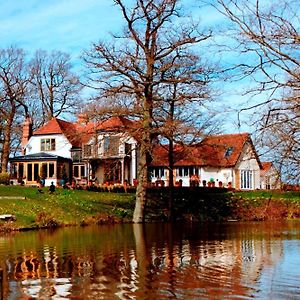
156, 261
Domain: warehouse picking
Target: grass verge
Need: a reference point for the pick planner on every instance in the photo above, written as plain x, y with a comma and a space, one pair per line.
265, 205
64, 207
34, 209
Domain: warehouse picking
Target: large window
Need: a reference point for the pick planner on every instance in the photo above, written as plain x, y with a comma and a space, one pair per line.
187, 171
246, 179
111, 145
47, 144
79, 171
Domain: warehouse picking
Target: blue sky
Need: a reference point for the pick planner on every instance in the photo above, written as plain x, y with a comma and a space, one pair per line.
72, 25
66, 25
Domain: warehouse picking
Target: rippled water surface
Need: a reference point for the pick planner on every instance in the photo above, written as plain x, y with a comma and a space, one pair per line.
155, 261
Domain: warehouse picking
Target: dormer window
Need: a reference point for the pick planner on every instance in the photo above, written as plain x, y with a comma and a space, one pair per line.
47, 144
228, 151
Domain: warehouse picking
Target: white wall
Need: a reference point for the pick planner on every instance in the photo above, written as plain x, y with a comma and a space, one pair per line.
62, 145
248, 161
225, 175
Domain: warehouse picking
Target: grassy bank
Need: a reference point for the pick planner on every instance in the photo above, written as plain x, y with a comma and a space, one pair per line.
34, 209
265, 205
217, 205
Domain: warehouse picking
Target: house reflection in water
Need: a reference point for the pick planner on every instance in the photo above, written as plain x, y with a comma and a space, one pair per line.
165, 267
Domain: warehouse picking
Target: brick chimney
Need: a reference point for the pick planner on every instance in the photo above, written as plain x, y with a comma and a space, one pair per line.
27, 133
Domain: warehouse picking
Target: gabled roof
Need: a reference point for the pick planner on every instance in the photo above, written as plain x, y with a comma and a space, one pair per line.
223, 150
215, 151
266, 166
72, 131
55, 126
114, 123
78, 133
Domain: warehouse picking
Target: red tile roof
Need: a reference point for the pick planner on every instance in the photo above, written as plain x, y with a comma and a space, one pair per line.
223, 150
72, 131
266, 166
114, 123
55, 126
78, 133
216, 151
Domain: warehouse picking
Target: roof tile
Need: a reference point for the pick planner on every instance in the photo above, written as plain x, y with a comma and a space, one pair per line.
216, 151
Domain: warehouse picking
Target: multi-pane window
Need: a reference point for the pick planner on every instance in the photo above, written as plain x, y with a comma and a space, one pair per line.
186, 171
47, 170
268, 185
76, 171
246, 179
157, 172
47, 144
79, 171
111, 145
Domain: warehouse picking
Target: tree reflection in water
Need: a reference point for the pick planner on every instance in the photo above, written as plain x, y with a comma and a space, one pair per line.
154, 261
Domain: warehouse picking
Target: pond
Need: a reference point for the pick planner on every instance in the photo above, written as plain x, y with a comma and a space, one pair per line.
154, 261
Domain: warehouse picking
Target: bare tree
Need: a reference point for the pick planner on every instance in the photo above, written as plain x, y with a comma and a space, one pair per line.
267, 41
179, 115
279, 136
136, 64
13, 87
54, 86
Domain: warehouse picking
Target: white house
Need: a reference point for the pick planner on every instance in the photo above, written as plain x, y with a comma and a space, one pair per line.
47, 153
82, 151
108, 152
228, 160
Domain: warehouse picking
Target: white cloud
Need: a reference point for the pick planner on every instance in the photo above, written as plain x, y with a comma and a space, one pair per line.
68, 25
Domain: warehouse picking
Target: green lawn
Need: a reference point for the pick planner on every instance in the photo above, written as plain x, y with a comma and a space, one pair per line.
64, 207
74, 207
294, 196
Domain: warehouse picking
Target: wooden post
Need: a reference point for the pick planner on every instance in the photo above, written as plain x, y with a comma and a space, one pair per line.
1, 284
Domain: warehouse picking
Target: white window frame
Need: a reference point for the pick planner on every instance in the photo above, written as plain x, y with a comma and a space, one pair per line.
47, 144
81, 171
247, 179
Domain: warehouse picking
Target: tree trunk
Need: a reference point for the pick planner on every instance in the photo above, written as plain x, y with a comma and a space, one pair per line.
6, 143
171, 181
141, 191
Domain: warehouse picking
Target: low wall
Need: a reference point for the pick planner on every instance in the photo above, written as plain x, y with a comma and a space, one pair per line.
198, 203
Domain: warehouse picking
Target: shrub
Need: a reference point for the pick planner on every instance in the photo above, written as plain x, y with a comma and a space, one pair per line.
4, 178
44, 220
